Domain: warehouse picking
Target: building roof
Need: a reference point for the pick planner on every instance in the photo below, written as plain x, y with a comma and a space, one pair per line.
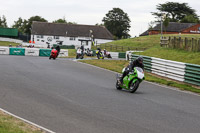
145, 33
173, 27
73, 30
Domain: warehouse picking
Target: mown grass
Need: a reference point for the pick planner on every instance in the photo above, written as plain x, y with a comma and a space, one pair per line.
9, 124
71, 53
172, 54
117, 66
2, 43
153, 48
147, 41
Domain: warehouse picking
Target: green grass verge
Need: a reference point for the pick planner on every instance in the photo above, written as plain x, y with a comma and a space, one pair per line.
152, 44
172, 54
7, 43
9, 124
117, 66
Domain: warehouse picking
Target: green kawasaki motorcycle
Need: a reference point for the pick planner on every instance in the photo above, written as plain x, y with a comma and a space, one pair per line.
131, 81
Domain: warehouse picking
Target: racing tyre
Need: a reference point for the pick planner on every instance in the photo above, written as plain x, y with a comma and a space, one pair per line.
134, 86
117, 85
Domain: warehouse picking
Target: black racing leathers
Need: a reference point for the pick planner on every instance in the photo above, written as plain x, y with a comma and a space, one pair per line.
131, 66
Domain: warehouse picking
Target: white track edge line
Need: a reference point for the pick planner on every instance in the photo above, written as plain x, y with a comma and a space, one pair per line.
29, 122
171, 88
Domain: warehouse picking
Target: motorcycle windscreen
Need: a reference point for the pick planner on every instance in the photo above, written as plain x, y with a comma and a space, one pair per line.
140, 75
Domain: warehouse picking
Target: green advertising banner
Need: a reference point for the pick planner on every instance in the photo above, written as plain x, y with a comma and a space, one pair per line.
17, 51
45, 52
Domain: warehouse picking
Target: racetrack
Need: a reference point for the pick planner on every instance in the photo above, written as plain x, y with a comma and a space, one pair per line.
70, 97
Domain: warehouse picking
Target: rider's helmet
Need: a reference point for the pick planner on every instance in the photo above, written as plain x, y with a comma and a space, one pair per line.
140, 60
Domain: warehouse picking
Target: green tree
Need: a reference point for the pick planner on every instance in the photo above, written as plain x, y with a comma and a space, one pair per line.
190, 19
63, 20
151, 25
30, 21
175, 11
117, 22
3, 22
99, 24
166, 22
20, 24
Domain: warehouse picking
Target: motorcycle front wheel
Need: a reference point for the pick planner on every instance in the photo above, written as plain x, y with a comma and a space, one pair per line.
134, 86
117, 86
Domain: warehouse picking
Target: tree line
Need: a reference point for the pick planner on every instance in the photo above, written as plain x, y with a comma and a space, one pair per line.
174, 12
118, 22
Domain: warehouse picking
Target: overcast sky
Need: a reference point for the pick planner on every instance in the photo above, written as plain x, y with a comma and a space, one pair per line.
87, 12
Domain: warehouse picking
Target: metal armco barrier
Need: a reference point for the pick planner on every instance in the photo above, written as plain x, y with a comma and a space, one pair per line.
192, 74
179, 71
4, 50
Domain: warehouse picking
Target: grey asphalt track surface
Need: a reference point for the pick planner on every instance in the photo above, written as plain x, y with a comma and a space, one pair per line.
69, 97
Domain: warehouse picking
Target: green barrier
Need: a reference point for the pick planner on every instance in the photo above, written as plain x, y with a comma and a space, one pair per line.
122, 55
192, 74
45, 52
17, 51
65, 46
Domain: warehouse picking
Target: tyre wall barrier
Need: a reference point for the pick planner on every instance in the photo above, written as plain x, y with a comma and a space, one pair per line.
4, 50
188, 73
170, 69
192, 74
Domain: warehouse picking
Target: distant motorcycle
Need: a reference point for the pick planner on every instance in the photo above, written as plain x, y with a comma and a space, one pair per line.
79, 54
89, 53
132, 81
99, 55
54, 54
107, 54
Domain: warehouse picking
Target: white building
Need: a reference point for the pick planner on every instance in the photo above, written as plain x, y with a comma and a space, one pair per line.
44, 33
